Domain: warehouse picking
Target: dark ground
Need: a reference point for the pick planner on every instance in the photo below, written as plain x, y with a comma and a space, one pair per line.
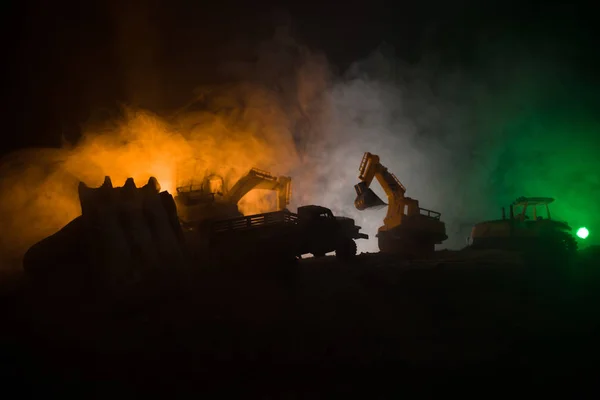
378, 326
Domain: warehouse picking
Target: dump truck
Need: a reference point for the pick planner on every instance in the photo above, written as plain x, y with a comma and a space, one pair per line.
283, 235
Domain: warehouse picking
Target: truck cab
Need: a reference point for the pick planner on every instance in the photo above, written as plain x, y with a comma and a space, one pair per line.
325, 232
317, 219
323, 216
308, 213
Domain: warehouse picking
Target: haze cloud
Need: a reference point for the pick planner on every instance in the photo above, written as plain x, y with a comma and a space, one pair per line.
462, 144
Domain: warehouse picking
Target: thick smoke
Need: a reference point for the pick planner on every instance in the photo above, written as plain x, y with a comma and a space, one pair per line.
463, 142
390, 109
259, 120
461, 145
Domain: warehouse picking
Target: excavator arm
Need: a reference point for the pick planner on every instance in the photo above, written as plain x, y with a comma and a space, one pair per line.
422, 228
257, 179
371, 168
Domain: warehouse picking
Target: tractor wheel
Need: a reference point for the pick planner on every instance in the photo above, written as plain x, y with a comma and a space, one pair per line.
557, 248
570, 244
346, 249
567, 245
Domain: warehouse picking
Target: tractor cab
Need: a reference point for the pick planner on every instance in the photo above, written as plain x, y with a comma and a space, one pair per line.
531, 208
534, 213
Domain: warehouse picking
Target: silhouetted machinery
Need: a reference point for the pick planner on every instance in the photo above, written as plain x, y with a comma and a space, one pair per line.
123, 235
525, 229
407, 228
283, 235
200, 204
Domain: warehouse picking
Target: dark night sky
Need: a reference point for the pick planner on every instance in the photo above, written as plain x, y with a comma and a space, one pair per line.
65, 59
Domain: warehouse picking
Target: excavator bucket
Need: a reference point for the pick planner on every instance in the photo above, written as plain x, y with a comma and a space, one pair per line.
366, 198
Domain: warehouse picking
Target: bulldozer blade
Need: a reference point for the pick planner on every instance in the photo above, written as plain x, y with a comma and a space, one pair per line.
366, 198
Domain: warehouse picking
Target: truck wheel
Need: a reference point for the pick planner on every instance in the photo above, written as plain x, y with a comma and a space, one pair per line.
346, 249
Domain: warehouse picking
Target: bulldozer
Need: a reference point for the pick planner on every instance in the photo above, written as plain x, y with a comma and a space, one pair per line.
124, 235
407, 228
526, 229
198, 205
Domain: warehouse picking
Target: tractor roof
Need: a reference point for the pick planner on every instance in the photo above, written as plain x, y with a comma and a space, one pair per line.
532, 201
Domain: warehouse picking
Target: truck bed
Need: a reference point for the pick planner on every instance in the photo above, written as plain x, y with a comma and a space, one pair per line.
282, 235
252, 222
259, 238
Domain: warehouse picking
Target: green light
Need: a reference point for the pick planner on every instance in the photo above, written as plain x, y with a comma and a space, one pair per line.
583, 232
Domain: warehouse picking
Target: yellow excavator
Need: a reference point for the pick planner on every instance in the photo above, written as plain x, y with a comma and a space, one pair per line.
209, 201
407, 228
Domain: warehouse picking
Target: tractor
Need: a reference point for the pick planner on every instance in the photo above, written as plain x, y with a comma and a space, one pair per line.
529, 228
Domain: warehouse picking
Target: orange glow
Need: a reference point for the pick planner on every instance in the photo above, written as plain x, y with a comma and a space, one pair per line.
258, 201
40, 186
215, 184
227, 130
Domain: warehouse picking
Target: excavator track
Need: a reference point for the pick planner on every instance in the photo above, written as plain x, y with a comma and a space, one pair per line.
405, 243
